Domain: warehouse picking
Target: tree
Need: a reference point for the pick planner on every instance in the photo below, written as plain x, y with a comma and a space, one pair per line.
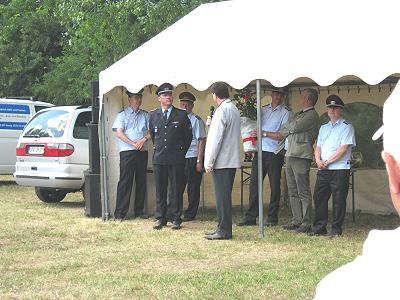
30, 37
54, 49
100, 33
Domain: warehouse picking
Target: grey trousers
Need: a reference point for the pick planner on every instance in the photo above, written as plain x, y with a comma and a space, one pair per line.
298, 182
223, 184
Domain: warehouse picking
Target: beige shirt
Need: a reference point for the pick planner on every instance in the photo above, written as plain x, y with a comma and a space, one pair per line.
223, 140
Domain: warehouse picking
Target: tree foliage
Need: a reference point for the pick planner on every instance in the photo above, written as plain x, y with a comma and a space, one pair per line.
54, 49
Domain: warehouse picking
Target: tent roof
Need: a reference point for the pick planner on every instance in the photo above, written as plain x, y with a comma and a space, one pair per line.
279, 41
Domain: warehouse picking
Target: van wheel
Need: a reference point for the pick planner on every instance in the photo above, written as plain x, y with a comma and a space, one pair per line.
50, 196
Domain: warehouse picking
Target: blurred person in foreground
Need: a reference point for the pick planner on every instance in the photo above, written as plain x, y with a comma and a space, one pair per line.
375, 273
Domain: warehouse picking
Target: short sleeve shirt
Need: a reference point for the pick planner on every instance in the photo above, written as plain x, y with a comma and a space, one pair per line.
199, 132
331, 137
272, 120
135, 126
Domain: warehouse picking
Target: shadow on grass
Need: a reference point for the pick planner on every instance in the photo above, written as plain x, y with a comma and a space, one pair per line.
7, 183
68, 204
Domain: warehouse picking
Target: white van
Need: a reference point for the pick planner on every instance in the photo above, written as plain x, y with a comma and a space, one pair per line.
53, 152
14, 114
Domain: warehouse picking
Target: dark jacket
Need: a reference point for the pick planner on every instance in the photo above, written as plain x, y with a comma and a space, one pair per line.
171, 139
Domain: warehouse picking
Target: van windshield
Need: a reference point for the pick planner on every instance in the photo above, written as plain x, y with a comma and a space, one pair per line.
49, 123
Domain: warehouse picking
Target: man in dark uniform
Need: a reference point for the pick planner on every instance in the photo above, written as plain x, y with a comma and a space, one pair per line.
171, 133
132, 131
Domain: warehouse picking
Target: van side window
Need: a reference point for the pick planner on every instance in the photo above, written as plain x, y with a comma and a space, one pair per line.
81, 131
40, 107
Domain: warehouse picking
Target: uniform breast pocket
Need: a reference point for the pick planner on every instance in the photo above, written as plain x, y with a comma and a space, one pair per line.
176, 125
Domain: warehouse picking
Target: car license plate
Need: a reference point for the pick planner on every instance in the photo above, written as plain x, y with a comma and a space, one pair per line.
36, 150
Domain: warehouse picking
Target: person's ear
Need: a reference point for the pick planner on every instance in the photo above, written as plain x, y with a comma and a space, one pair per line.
393, 170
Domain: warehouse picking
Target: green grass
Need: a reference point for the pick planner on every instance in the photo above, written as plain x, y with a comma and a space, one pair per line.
51, 251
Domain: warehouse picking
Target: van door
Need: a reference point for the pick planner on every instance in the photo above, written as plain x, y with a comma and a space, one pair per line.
80, 138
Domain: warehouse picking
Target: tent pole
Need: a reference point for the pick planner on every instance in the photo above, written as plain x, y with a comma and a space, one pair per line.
103, 162
259, 161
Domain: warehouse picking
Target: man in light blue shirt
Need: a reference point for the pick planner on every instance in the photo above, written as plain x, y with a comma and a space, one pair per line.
131, 127
273, 116
332, 156
194, 156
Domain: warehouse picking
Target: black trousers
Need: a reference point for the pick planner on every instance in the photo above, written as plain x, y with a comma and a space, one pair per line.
223, 184
132, 164
193, 181
174, 174
335, 183
272, 165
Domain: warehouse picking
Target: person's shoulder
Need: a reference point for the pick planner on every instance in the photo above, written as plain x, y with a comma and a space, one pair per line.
346, 123
144, 111
197, 117
180, 111
287, 108
153, 111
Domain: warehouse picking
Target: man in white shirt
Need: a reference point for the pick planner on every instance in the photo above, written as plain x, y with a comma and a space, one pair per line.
375, 273
332, 156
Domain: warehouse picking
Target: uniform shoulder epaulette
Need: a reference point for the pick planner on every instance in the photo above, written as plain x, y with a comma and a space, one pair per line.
266, 105
153, 110
181, 108
197, 117
121, 111
287, 108
345, 122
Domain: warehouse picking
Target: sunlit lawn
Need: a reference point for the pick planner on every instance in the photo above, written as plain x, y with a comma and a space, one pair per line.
52, 251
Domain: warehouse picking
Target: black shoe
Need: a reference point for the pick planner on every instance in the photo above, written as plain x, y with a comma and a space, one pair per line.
271, 224
317, 233
176, 225
159, 224
143, 216
217, 236
119, 219
303, 229
247, 223
211, 233
291, 226
188, 219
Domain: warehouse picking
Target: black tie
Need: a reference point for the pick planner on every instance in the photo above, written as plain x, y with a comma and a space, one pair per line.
165, 115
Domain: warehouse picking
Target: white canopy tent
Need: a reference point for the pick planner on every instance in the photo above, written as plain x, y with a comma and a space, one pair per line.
282, 42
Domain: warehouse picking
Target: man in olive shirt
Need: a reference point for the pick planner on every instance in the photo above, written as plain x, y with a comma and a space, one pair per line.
300, 133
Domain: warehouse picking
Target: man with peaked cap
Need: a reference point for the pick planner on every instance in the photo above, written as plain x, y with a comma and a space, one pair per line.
132, 130
375, 273
171, 133
273, 116
332, 156
194, 156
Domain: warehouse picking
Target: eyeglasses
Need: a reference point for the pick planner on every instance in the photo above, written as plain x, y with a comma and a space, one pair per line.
166, 94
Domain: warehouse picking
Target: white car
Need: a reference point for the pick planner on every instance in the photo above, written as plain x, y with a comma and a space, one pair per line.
14, 114
53, 152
